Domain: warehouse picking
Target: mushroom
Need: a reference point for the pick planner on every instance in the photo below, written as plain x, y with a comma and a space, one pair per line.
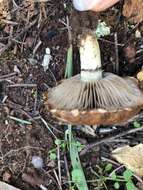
94, 97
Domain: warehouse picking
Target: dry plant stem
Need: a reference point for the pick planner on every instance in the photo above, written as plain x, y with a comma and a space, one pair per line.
46, 125
117, 54
105, 140
22, 85
69, 30
43, 187
111, 161
8, 79
8, 75
36, 47
110, 42
119, 167
35, 101
138, 178
67, 170
9, 22
59, 165
14, 3
56, 176
68, 27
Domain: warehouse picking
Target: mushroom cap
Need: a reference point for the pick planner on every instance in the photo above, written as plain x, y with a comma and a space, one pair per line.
95, 116
117, 100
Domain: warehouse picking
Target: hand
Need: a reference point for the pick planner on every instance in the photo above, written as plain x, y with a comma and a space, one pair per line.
94, 5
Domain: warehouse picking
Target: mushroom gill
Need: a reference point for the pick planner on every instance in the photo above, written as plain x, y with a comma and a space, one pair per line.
92, 88
110, 93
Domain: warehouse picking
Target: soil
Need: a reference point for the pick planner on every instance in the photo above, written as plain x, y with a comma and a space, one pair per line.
26, 29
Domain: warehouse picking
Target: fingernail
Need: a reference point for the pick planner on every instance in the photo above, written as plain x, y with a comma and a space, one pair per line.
81, 5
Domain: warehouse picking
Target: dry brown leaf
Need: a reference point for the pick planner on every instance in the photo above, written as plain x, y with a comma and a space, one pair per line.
131, 157
133, 10
5, 186
5, 9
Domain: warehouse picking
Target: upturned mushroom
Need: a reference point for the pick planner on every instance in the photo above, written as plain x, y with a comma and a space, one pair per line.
94, 97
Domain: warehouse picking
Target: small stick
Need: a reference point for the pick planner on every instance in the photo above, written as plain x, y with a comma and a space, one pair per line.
20, 120
9, 22
116, 69
67, 169
59, 164
56, 176
110, 42
36, 47
109, 160
8, 75
138, 178
116, 170
43, 187
46, 125
22, 85
52, 127
7, 79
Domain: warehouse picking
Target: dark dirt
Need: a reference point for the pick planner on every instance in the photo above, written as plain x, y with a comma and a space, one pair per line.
20, 64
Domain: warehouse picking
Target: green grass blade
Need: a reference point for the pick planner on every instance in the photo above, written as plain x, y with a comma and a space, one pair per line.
78, 176
69, 63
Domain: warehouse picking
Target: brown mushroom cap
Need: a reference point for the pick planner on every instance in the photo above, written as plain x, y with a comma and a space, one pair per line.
95, 116
107, 101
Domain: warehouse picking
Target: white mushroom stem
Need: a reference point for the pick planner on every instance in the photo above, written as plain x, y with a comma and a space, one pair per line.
90, 58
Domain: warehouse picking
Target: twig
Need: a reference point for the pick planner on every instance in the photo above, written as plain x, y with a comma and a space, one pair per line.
46, 125
43, 187
22, 85
35, 101
69, 30
116, 170
116, 69
67, 169
110, 42
14, 3
52, 127
36, 47
9, 22
59, 165
4, 99
8, 75
7, 79
138, 178
105, 140
53, 76
56, 176
109, 160
68, 27
20, 120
